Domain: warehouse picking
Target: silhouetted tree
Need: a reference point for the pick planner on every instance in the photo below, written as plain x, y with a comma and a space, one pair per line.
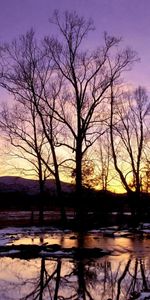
127, 127
21, 126
68, 87
86, 79
104, 161
26, 74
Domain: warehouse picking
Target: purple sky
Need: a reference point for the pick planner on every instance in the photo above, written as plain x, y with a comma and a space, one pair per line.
127, 18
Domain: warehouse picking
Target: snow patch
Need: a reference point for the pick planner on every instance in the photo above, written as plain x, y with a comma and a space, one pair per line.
144, 296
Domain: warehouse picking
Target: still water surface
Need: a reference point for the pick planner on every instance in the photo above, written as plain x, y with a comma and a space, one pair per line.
113, 276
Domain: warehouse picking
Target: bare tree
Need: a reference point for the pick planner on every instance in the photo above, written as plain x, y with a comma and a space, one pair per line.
26, 74
104, 161
21, 127
127, 126
67, 85
86, 79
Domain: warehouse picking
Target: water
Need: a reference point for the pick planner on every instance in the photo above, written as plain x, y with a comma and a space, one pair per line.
109, 277
117, 276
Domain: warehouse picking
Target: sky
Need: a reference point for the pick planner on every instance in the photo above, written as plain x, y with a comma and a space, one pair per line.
129, 19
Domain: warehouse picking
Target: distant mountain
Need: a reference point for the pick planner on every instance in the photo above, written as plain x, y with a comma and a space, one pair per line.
30, 186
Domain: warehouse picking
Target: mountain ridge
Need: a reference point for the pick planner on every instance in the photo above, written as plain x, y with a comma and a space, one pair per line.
30, 186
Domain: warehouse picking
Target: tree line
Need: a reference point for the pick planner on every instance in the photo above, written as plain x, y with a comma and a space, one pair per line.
70, 111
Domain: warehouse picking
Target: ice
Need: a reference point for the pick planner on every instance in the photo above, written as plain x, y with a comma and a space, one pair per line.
144, 296
9, 253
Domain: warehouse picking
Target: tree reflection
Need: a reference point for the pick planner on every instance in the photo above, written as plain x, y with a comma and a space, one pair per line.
42, 287
77, 279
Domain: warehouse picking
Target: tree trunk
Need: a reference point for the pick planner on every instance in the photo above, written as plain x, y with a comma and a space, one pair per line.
41, 194
41, 206
57, 280
58, 186
135, 206
79, 198
60, 198
78, 169
42, 278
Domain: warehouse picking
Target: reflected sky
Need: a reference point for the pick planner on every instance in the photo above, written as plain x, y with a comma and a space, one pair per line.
90, 240
114, 277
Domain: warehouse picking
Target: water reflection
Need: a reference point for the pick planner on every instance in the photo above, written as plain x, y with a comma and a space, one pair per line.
120, 276
89, 240
116, 278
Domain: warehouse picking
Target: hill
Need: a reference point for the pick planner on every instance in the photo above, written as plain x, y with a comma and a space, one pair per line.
29, 186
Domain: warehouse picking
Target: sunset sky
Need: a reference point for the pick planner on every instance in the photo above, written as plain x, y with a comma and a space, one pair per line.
129, 19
